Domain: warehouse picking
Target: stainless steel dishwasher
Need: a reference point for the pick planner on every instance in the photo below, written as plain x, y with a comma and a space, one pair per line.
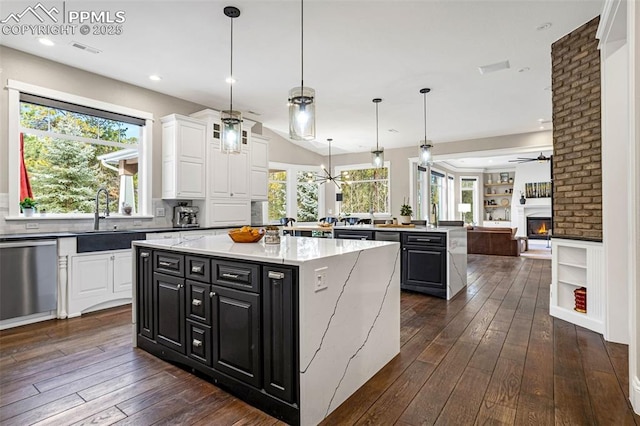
28, 277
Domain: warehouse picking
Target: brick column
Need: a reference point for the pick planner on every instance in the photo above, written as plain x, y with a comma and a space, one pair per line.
577, 170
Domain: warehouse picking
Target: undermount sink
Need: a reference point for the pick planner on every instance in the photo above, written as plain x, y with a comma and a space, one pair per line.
107, 240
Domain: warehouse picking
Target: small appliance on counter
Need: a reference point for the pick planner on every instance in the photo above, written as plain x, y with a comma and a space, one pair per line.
185, 216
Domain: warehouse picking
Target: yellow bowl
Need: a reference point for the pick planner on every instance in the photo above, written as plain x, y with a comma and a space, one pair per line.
245, 237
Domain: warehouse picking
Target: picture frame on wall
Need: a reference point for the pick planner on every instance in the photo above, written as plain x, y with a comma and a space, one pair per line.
504, 177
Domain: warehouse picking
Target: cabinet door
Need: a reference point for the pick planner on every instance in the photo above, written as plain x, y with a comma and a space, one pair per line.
170, 318
424, 268
239, 186
259, 184
91, 276
218, 172
145, 296
122, 279
236, 334
278, 333
229, 211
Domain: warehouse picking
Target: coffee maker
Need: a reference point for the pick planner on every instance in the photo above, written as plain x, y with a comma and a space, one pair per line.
185, 216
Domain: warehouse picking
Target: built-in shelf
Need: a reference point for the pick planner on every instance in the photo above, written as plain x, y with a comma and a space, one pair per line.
577, 264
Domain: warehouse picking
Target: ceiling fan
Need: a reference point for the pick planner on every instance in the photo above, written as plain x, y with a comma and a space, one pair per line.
540, 159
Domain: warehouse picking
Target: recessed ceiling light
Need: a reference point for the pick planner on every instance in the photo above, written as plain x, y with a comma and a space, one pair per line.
230, 80
46, 41
544, 26
541, 127
540, 120
524, 69
155, 77
490, 161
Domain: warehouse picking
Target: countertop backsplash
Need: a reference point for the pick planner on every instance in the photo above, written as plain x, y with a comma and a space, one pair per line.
48, 224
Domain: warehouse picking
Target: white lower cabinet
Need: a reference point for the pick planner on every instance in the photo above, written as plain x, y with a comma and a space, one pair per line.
99, 280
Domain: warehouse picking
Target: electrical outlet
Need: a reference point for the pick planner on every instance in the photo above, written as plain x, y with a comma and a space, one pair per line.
320, 279
160, 212
32, 225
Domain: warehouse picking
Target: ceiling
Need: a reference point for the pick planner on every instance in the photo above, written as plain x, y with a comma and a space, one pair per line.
354, 51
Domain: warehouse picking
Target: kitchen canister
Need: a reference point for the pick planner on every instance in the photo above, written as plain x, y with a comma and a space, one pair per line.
272, 235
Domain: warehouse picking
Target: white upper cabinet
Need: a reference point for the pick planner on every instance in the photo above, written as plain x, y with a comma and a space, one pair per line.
259, 167
183, 157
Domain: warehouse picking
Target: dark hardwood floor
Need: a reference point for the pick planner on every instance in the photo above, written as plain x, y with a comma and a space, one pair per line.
492, 355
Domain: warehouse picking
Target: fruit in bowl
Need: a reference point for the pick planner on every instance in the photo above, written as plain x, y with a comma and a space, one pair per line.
246, 234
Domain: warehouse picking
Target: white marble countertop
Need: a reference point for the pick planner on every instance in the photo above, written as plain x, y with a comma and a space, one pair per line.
291, 250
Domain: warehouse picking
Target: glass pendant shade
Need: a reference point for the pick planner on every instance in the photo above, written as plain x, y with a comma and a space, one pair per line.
425, 154
377, 157
231, 137
302, 114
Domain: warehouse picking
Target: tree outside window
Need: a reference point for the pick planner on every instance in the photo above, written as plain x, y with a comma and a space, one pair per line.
277, 195
307, 198
368, 190
65, 156
468, 188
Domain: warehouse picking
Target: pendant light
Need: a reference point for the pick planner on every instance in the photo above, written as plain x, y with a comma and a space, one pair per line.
425, 158
326, 176
302, 107
377, 154
231, 137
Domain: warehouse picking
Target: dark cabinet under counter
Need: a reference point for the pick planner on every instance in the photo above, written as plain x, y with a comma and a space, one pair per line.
424, 263
234, 322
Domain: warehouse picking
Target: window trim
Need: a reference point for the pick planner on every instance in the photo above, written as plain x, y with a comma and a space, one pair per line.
477, 211
15, 88
337, 171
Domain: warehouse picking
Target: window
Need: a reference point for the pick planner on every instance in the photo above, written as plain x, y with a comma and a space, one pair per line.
291, 194
469, 195
368, 190
69, 155
438, 195
450, 198
277, 195
68, 147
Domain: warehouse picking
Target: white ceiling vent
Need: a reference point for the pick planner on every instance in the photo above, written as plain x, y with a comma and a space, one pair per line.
486, 69
84, 47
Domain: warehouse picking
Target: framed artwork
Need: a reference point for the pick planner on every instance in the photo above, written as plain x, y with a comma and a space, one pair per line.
504, 177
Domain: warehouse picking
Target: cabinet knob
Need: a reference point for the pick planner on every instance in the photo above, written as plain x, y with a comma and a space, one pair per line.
212, 294
197, 343
180, 285
196, 302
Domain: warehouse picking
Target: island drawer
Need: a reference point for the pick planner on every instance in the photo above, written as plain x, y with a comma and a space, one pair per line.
242, 276
199, 302
168, 263
199, 340
198, 268
425, 239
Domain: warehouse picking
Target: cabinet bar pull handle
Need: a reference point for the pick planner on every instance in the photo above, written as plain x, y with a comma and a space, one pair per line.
197, 343
196, 302
144, 254
276, 275
166, 263
423, 239
227, 275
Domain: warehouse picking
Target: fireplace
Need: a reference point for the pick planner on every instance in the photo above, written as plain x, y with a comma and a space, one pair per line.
538, 227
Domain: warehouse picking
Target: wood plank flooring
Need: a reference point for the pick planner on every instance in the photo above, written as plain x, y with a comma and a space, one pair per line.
492, 355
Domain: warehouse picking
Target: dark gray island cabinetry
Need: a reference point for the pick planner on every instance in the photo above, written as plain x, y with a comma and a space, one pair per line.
434, 260
234, 322
293, 328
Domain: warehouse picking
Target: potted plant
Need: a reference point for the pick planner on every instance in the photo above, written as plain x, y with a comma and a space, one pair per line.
405, 213
28, 206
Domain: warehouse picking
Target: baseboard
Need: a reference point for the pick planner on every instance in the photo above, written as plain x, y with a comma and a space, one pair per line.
634, 395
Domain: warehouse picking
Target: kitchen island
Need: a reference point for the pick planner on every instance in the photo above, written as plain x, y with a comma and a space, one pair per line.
434, 259
293, 328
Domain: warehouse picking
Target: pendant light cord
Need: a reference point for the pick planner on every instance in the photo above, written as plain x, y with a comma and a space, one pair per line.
301, 44
231, 76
